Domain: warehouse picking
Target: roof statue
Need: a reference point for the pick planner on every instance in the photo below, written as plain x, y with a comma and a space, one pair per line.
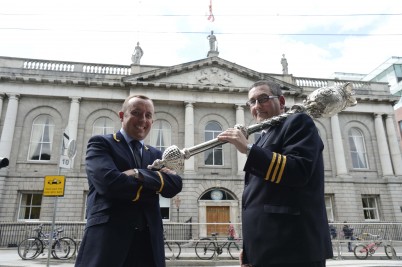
213, 45
137, 55
284, 63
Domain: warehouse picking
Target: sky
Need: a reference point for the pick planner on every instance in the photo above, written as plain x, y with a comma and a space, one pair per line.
318, 37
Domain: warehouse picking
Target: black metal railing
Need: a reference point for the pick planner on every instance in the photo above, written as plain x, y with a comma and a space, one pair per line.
12, 233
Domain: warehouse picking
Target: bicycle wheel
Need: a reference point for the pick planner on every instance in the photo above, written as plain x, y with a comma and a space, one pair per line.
30, 248
234, 250
64, 248
360, 252
390, 251
205, 250
172, 250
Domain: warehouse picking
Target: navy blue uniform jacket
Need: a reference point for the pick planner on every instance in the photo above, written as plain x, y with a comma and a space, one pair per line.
115, 197
284, 215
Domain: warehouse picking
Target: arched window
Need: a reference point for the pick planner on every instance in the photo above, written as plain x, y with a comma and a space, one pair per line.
213, 156
103, 125
40, 145
217, 194
161, 135
357, 149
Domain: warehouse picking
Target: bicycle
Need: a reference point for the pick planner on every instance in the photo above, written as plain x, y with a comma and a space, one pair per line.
362, 251
32, 247
206, 248
172, 249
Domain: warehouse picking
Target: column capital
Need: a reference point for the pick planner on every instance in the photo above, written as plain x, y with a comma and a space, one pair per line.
75, 99
388, 115
13, 96
379, 114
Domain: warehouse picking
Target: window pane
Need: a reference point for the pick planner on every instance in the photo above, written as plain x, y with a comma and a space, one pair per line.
103, 126
40, 147
164, 203
329, 208
357, 149
370, 208
35, 213
209, 159
165, 213
218, 156
161, 135
213, 156
36, 200
30, 206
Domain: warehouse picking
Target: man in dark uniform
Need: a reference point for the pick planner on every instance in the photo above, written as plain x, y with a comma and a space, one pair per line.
284, 216
124, 225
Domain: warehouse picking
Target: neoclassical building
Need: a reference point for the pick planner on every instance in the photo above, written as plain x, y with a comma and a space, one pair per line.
44, 105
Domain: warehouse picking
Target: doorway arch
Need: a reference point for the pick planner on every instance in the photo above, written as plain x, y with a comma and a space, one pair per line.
217, 207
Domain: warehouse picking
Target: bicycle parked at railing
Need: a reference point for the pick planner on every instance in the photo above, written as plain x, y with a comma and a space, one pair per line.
172, 249
362, 251
206, 248
32, 247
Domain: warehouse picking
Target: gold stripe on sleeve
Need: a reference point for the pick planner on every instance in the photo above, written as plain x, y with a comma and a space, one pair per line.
138, 194
278, 163
281, 171
271, 166
162, 182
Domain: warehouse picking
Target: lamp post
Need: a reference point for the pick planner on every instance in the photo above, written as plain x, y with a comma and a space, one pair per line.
177, 202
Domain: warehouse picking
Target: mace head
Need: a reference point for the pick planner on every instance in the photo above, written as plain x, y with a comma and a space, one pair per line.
328, 101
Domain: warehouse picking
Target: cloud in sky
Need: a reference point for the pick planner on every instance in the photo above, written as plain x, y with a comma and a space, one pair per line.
252, 33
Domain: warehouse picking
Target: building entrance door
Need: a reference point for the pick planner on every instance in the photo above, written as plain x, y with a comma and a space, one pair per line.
218, 214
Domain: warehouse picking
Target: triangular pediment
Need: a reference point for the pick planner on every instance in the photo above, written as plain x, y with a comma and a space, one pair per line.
209, 72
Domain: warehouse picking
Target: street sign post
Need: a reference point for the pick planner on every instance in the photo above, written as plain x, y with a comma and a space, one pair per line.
54, 186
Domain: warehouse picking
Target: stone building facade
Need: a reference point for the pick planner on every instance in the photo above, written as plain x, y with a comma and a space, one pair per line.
44, 102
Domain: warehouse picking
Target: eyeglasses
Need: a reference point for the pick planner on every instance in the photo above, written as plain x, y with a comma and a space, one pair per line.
261, 99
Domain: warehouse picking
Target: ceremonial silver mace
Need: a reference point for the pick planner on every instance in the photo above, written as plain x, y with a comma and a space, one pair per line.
323, 102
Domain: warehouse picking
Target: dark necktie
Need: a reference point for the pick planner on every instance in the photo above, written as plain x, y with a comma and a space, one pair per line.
136, 146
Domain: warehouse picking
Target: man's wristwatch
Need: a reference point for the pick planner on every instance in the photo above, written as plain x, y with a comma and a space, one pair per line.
249, 146
136, 173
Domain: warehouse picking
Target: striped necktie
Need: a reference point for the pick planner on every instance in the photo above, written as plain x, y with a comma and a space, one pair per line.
136, 147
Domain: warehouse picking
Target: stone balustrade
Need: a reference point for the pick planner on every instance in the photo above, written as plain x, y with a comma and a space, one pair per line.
76, 67
311, 82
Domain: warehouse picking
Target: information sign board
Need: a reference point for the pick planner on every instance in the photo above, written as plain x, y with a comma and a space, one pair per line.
54, 186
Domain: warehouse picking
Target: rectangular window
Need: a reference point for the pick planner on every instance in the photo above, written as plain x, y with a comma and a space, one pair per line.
370, 208
84, 211
329, 205
164, 203
30, 206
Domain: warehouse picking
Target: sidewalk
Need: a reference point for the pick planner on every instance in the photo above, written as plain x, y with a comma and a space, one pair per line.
9, 258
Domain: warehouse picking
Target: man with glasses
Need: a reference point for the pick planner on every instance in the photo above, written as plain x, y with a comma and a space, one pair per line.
284, 216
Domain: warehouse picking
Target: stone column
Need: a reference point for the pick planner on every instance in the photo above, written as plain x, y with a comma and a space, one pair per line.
241, 158
73, 117
6, 139
72, 127
189, 135
339, 152
1, 103
383, 151
393, 145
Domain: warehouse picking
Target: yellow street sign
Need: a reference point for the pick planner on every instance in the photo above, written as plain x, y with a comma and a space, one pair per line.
54, 186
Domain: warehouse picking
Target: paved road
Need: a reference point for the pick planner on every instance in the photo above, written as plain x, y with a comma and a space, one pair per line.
9, 258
